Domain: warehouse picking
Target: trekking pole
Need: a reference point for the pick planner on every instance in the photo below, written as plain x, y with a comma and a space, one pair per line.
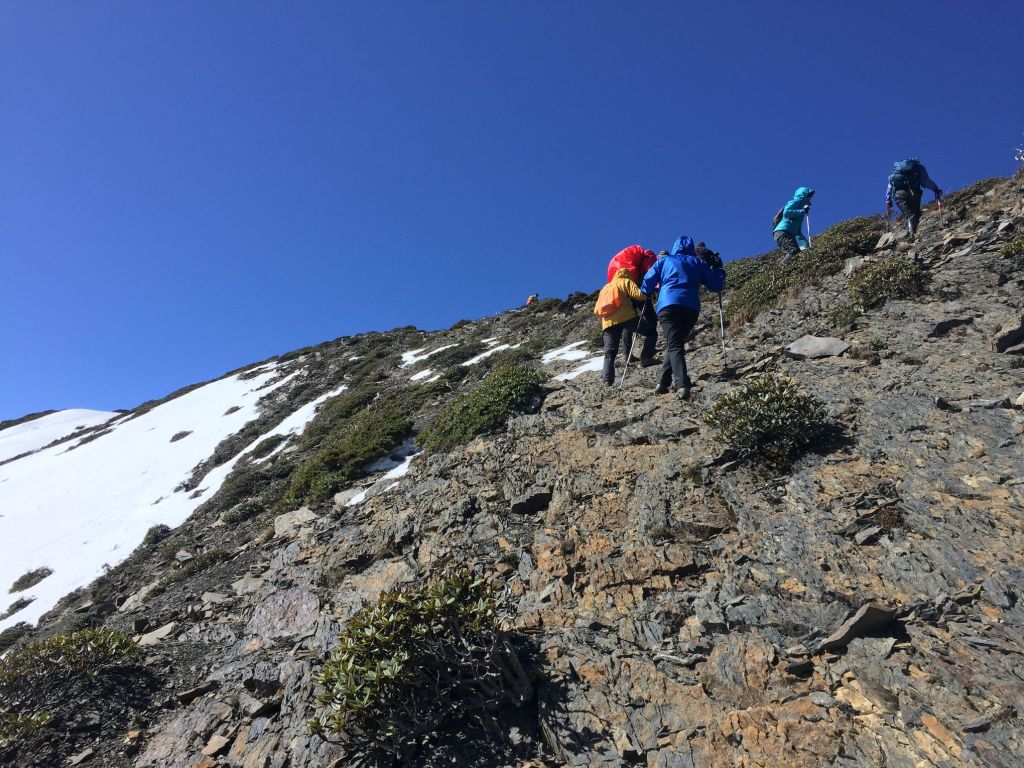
808, 219
629, 355
721, 320
942, 221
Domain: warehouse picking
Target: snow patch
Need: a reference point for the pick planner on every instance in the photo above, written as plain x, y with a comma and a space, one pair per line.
295, 424
593, 364
38, 433
421, 375
79, 509
568, 352
413, 356
491, 351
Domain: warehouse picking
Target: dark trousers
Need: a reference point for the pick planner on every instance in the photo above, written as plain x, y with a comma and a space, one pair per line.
787, 242
910, 204
613, 336
676, 323
648, 328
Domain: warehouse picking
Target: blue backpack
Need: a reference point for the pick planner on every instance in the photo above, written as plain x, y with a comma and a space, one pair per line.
906, 175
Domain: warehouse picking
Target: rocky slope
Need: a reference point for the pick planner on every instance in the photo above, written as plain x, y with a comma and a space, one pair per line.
673, 606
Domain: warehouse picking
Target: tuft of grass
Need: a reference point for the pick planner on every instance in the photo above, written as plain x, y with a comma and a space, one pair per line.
842, 315
760, 283
267, 445
17, 605
197, 564
38, 678
510, 387
892, 278
768, 419
412, 660
29, 579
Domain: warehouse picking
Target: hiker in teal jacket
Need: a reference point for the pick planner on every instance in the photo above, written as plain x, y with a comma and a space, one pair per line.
788, 234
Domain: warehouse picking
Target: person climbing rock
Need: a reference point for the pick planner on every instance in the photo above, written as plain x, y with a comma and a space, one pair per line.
618, 318
789, 222
906, 181
679, 277
531, 298
637, 260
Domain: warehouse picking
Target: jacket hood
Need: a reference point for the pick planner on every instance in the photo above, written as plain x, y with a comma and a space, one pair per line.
803, 193
624, 273
683, 247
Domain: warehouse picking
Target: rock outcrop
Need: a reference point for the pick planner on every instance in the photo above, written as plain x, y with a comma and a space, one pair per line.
673, 607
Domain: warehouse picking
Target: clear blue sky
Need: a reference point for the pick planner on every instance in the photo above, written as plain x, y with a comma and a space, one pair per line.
187, 187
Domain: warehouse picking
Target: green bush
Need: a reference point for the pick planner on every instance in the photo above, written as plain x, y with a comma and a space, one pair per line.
342, 455
13, 634
190, 568
415, 658
38, 678
757, 284
17, 605
29, 579
842, 315
267, 445
892, 278
508, 388
768, 419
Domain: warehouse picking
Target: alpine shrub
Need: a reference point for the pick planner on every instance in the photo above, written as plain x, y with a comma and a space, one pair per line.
29, 579
38, 679
508, 388
412, 660
344, 453
892, 278
768, 419
1014, 250
757, 284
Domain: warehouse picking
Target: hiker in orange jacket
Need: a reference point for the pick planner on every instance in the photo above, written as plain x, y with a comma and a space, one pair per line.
619, 326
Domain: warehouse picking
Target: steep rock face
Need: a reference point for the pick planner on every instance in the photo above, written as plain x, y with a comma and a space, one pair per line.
676, 607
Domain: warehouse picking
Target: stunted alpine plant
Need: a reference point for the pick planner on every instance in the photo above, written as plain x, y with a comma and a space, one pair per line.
411, 661
42, 684
768, 419
893, 278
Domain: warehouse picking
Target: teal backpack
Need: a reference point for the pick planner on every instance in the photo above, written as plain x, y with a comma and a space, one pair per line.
906, 175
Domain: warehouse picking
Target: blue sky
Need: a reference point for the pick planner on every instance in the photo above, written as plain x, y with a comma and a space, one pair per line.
191, 186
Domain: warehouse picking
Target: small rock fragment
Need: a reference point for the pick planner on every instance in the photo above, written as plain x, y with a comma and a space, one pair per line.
868, 618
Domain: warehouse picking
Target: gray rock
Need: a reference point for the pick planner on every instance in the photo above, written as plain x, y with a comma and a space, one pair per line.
157, 635
1010, 335
868, 618
291, 523
812, 347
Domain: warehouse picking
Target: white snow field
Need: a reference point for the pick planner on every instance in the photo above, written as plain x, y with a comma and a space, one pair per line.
593, 364
78, 509
35, 434
568, 352
413, 356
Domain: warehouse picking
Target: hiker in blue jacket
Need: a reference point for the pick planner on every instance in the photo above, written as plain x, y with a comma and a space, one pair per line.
679, 277
905, 185
789, 222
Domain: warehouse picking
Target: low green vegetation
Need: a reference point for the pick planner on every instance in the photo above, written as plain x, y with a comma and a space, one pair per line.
768, 419
892, 278
760, 283
13, 634
190, 568
37, 679
29, 579
407, 663
344, 452
842, 315
17, 605
510, 387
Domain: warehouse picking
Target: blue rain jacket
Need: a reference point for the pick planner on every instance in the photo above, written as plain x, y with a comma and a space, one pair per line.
680, 276
793, 214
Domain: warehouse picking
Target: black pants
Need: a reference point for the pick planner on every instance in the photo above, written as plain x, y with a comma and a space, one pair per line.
676, 323
623, 332
648, 328
910, 204
787, 242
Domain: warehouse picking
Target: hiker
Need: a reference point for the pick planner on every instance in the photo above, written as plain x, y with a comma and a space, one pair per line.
905, 186
531, 298
637, 260
789, 221
618, 318
679, 277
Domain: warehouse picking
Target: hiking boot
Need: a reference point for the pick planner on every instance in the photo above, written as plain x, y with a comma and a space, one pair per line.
661, 390
647, 362
684, 393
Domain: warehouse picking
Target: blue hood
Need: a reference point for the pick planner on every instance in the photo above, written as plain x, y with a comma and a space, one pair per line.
684, 246
803, 193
